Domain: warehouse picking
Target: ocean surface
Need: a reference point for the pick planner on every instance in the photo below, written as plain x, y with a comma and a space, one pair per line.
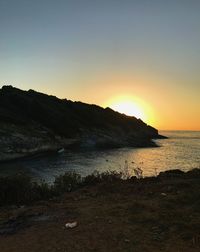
180, 151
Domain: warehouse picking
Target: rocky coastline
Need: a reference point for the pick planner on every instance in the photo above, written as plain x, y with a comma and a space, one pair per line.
32, 123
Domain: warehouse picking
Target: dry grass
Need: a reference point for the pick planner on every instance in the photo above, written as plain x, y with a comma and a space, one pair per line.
135, 215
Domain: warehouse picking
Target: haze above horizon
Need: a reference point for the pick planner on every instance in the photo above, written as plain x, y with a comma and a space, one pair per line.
139, 57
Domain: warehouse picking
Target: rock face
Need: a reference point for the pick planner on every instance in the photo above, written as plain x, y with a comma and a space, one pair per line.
32, 122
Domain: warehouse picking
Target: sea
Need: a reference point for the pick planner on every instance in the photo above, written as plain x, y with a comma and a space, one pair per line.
180, 151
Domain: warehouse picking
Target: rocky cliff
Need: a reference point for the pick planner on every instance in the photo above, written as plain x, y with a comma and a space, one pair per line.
33, 122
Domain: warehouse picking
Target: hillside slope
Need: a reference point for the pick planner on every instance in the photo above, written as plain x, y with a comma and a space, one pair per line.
32, 122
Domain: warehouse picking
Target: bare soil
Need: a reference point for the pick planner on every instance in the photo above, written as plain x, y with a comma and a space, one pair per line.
147, 215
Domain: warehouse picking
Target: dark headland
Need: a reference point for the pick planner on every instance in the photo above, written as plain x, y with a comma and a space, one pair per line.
33, 122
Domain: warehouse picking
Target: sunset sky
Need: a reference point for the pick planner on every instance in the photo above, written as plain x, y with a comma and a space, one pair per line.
139, 55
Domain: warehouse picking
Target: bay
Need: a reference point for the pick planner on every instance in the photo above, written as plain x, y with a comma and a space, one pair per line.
180, 151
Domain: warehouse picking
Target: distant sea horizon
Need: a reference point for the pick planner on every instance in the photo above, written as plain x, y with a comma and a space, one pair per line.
177, 130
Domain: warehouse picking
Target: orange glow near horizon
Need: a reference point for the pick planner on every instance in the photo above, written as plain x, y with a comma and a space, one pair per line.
132, 106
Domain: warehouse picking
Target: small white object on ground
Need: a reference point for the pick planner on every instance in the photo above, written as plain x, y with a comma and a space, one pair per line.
163, 194
61, 150
71, 224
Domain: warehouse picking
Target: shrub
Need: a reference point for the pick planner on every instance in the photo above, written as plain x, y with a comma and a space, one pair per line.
97, 177
171, 173
92, 179
194, 172
15, 189
42, 191
20, 189
111, 176
67, 182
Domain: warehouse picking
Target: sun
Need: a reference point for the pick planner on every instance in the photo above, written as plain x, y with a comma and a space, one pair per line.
131, 106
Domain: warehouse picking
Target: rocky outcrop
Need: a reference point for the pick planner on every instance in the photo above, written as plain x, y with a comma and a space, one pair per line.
32, 122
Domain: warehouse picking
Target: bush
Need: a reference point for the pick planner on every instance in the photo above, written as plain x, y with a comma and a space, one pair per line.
194, 173
92, 179
42, 191
15, 189
67, 182
111, 176
19, 189
171, 173
97, 177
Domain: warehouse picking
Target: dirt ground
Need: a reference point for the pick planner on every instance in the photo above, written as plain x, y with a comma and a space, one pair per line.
148, 215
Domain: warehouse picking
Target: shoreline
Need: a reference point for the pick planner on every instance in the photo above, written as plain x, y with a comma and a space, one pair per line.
76, 147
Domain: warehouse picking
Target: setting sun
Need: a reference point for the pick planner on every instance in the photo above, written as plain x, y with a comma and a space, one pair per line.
128, 108
131, 106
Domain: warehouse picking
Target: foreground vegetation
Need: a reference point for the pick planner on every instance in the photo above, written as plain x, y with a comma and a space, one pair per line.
151, 214
20, 189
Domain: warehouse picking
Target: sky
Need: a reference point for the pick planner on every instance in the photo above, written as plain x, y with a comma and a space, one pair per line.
107, 52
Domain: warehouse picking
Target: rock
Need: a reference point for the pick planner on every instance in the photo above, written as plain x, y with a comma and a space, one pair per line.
34, 123
71, 224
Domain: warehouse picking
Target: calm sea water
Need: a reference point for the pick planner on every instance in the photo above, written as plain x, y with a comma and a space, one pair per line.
180, 151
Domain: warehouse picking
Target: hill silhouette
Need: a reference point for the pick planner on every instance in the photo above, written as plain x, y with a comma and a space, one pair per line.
32, 122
